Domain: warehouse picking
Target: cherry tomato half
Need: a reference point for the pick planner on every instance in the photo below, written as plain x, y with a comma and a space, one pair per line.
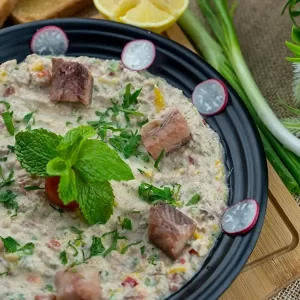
51, 187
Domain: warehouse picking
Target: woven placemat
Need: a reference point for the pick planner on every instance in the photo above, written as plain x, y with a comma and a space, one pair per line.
262, 32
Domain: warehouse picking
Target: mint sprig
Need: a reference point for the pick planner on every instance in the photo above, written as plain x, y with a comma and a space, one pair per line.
84, 166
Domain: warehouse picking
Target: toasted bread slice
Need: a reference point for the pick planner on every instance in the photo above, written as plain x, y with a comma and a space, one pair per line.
33, 10
6, 7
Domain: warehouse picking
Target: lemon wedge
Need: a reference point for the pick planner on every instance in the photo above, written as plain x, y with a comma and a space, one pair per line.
154, 15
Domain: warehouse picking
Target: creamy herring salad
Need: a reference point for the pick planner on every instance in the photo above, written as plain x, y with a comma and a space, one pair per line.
163, 221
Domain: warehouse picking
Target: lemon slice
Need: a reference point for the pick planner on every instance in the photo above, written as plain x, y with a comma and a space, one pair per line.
154, 15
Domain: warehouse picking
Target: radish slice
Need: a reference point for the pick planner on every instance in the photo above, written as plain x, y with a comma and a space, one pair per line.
240, 217
210, 97
138, 55
49, 40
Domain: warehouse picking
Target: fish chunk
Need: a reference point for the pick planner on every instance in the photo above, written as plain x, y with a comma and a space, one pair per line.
78, 283
71, 82
169, 229
168, 134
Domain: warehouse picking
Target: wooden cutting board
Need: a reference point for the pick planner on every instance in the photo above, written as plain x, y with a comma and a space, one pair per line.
275, 261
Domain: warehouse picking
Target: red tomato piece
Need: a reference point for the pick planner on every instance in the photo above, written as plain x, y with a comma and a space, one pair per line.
9, 91
130, 281
193, 252
54, 245
182, 260
51, 187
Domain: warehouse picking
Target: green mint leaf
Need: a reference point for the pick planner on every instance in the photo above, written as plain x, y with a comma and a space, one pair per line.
123, 250
32, 188
7, 105
96, 200
161, 155
8, 200
10, 245
97, 247
72, 142
97, 161
126, 224
76, 230
194, 200
67, 184
63, 257
35, 148
27, 249
8, 121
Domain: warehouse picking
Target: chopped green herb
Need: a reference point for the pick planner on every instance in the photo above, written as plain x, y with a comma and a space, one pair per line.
142, 123
3, 159
4, 274
61, 211
76, 230
96, 89
97, 247
28, 117
74, 248
194, 200
115, 238
161, 155
68, 123
153, 194
49, 288
141, 171
7, 105
27, 249
32, 188
152, 259
8, 121
123, 250
10, 149
10, 245
63, 257
6, 181
113, 65
150, 281
128, 98
8, 200
143, 249
79, 119
126, 224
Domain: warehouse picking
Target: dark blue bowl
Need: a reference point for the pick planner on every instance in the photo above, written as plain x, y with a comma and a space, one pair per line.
183, 69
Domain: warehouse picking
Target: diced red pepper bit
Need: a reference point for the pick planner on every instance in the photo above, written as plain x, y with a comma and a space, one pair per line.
204, 122
193, 252
182, 260
54, 245
130, 281
33, 279
111, 73
9, 91
191, 160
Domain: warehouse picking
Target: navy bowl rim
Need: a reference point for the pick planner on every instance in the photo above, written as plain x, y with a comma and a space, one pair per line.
243, 144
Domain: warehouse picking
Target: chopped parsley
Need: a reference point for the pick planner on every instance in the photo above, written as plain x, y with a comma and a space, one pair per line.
8, 180
7, 198
63, 257
126, 224
152, 259
74, 248
12, 246
32, 188
97, 247
161, 155
194, 200
123, 250
143, 249
76, 230
7, 117
115, 237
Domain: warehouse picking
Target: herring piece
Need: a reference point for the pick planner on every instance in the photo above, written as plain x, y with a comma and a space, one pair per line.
71, 82
169, 229
78, 283
168, 134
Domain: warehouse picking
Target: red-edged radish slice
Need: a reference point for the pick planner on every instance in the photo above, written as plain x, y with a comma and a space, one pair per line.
49, 40
240, 217
210, 97
138, 55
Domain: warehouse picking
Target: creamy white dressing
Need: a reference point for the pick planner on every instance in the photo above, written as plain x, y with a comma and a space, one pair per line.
198, 167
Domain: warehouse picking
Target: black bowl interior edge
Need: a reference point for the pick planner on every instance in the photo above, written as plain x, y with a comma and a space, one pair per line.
245, 158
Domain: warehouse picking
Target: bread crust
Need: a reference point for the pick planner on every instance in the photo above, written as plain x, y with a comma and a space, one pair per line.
66, 9
6, 7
